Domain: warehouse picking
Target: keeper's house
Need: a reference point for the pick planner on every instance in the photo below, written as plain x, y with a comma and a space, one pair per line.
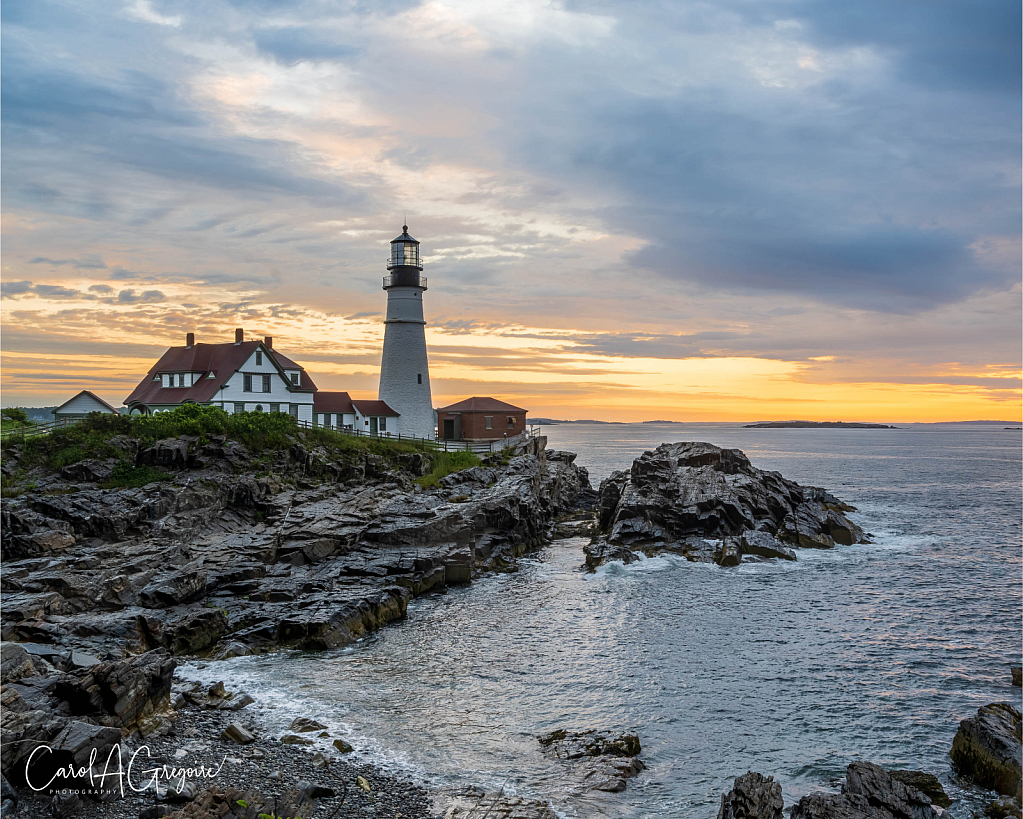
480, 419
247, 376
251, 376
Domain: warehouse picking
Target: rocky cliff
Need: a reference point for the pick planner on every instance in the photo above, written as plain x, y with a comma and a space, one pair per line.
709, 503
237, 555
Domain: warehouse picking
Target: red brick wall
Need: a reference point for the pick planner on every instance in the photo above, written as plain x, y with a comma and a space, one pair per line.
474, 424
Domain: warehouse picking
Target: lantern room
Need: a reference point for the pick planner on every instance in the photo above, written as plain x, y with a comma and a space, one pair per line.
404, 251
404, 263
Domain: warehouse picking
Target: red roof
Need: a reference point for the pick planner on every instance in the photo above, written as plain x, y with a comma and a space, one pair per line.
374, 408
223, 360
325, 401
478, 404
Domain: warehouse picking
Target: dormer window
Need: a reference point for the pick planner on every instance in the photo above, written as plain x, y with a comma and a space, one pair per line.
181, 379
259, 358
294, 379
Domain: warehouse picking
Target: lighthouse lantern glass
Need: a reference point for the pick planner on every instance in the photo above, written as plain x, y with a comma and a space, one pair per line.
404, 253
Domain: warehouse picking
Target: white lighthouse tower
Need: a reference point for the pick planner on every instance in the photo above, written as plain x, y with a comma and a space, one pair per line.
404, 369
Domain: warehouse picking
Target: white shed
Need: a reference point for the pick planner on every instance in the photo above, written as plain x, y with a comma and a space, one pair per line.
81, 405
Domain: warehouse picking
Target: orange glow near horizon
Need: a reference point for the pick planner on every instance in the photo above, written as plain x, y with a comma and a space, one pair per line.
546, 375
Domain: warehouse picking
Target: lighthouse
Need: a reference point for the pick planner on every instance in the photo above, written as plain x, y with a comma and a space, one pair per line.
404, 368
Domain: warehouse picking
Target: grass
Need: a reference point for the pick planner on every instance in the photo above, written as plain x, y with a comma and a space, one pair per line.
260, 432
444, 463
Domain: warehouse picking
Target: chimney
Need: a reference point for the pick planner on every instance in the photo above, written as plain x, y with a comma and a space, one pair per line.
239, 336
268, 342
190, 340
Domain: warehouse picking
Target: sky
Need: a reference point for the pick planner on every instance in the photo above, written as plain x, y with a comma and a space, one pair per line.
693, 211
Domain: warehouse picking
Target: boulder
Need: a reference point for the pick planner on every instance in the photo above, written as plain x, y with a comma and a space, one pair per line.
1017, 675
987, 748
869, 792
236, 732
77, 746
753, 796
120, 693
602, 760
301, 725
15, 662
709, 503
562, 744
926, 782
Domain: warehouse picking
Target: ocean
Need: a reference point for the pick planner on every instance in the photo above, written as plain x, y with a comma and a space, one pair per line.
871, 651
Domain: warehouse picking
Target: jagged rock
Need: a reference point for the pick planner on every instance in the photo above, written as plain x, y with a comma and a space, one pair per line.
119, 693
342, 746
196, 632
605, 760
236, 732
988, 747
91, 470
175, 587
73, 747
926, 782
609, 773
869, 792
562, 744
294, 739
472, 803
301, 725
753, 796
709, 503
15, 662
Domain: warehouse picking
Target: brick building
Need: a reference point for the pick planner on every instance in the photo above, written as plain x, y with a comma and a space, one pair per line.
480, 419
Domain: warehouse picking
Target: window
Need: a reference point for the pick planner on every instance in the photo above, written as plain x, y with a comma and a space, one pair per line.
239, 408
266, 383
157, 377
275, 408
247, 383
383, 425
259, 407
511, 421
181, 379
420, 377
259, 358
211, 375
294, 379
490, 421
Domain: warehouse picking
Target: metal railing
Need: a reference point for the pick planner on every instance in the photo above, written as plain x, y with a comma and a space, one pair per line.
445, 445
399, 280
402, 261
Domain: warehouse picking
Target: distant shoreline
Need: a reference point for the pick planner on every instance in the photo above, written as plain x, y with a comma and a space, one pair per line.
816, 425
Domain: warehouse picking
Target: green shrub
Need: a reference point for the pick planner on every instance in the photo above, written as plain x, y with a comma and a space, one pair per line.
125, 475
16, 415
260, 432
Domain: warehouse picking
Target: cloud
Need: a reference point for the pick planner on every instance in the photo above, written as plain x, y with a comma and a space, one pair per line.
101, 288
8, 289
147, 297
294, 45
87, 263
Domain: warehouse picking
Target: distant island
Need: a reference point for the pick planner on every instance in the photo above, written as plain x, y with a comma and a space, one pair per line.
816, 425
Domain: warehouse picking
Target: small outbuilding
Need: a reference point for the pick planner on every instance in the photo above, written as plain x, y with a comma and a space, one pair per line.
75, 409
480, 419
